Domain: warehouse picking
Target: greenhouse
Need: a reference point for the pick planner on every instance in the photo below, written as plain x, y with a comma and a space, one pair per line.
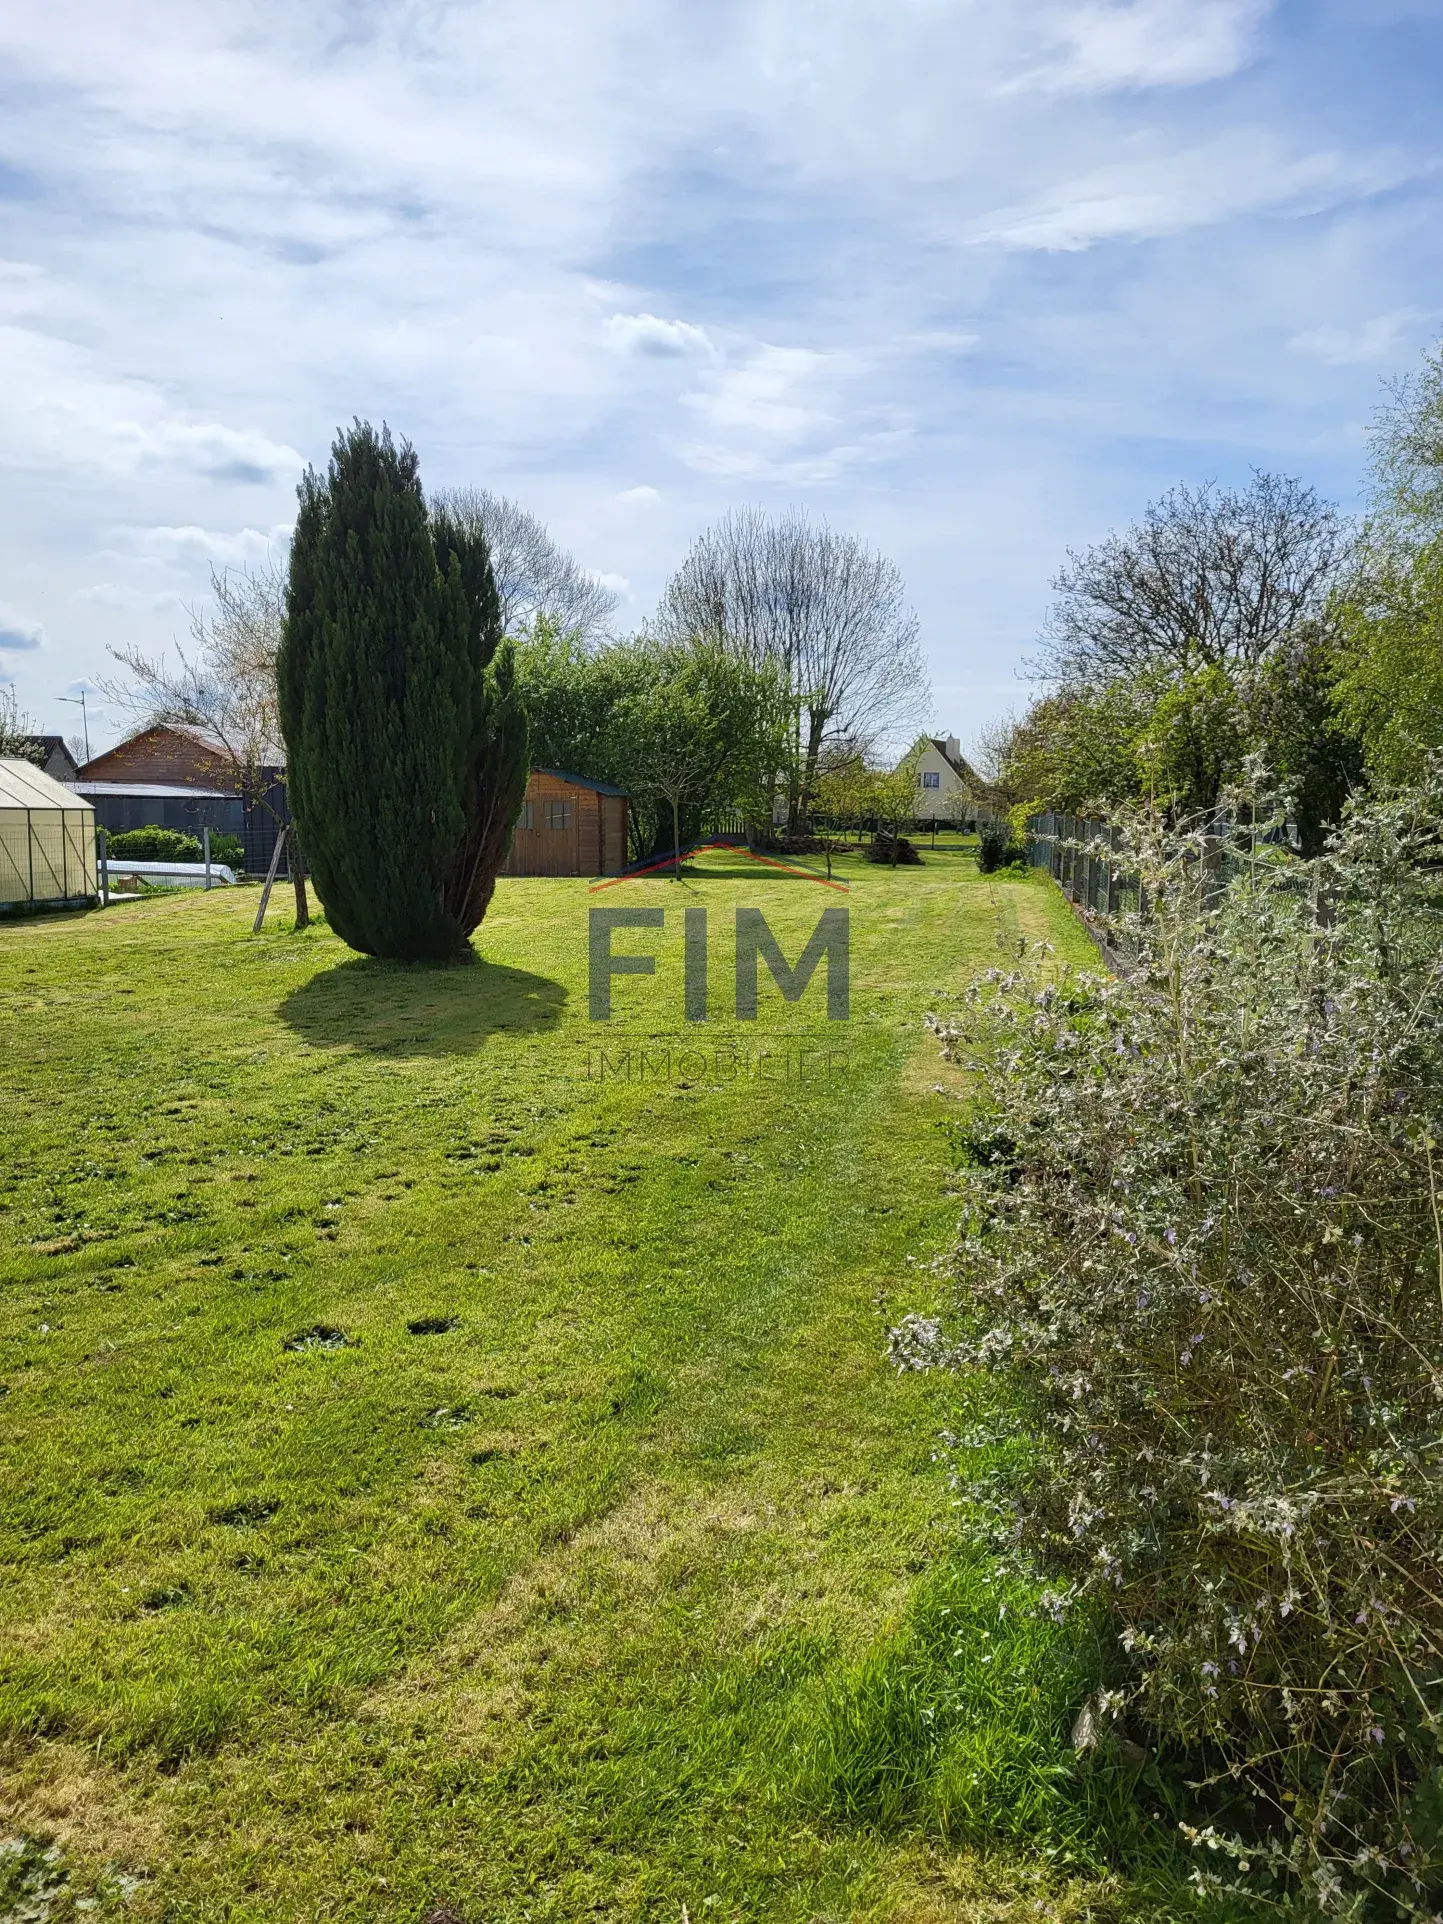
47, 842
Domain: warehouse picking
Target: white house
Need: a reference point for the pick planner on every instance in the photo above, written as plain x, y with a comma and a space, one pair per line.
948, 787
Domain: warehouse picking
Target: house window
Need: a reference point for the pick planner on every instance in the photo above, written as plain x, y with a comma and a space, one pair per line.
526, 821
558, 814
931, 778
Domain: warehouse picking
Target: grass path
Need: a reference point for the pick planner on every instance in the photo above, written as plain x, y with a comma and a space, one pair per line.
498, 1591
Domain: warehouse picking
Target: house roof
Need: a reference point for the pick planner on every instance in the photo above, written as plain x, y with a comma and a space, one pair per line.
273, 755
47, 744
153, 791
582, 781
23, 785
957, 763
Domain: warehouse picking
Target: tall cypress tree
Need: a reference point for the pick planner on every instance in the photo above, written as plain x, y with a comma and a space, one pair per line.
397, 728
497, 764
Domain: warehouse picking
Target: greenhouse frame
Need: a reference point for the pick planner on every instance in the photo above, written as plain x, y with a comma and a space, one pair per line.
47, 842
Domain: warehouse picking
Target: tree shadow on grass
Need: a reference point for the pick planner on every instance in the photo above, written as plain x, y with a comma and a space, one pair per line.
409, 1009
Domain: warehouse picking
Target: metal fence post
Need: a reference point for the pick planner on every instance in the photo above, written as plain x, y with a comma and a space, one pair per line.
205, 846
102, 850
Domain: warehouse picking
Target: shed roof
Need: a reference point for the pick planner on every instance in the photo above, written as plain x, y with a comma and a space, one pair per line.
581, 781
23, 785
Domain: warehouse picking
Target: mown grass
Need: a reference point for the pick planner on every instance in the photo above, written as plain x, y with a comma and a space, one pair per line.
445, 1474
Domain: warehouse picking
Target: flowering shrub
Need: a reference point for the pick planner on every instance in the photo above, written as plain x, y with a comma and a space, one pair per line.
998, 845
1202, 1231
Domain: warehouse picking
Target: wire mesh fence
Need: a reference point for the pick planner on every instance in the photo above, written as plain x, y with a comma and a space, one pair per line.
1090, 863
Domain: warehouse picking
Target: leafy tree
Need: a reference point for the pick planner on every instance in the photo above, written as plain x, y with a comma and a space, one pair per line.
1408, 452
889, 798
406, 745
840, 794
572, 694
1074, 750
1194, 740
1304, 732
1391, 687
698, 733
1205, 634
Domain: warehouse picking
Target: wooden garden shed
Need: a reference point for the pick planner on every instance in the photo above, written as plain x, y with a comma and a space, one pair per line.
569, 826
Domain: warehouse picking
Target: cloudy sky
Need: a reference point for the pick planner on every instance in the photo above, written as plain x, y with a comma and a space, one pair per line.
971, 278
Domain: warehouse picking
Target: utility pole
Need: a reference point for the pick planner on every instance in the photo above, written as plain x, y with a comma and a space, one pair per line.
78, 701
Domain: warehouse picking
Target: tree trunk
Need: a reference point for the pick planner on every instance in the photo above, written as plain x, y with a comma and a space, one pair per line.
801, 798
298, 878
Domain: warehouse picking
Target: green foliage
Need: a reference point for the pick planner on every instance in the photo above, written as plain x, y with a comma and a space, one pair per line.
406, 757
571, 694
687, 728
1182, 740
496, 744
961, 1721
699, 732
152, 844
1194, 740
998, 845
1408, 454
1202, 1233
1304, 732
227, 848
1078, 750
1392, 686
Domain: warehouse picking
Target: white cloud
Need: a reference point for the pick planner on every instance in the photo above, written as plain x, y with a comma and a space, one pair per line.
58, 410
649, 335
245, 548
1370, 344
124, 596
17, 631
1152, 194
788, 415
1147, 43
616, 584
641, 496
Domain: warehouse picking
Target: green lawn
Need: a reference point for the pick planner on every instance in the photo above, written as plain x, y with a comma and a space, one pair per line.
444, 1474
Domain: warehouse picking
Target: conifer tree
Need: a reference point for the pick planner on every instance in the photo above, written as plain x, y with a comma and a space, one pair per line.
497, 763
393, 717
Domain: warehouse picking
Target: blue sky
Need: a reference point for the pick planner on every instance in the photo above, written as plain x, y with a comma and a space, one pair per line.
970, 278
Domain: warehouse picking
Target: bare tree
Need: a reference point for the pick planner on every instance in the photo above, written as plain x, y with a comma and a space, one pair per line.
224, 687
1211, 577
827, 611
17, 731
535, 578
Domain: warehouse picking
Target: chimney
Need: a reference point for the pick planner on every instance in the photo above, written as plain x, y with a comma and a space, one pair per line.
954, 749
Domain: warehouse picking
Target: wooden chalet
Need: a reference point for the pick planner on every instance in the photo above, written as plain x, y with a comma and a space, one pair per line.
569, 826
